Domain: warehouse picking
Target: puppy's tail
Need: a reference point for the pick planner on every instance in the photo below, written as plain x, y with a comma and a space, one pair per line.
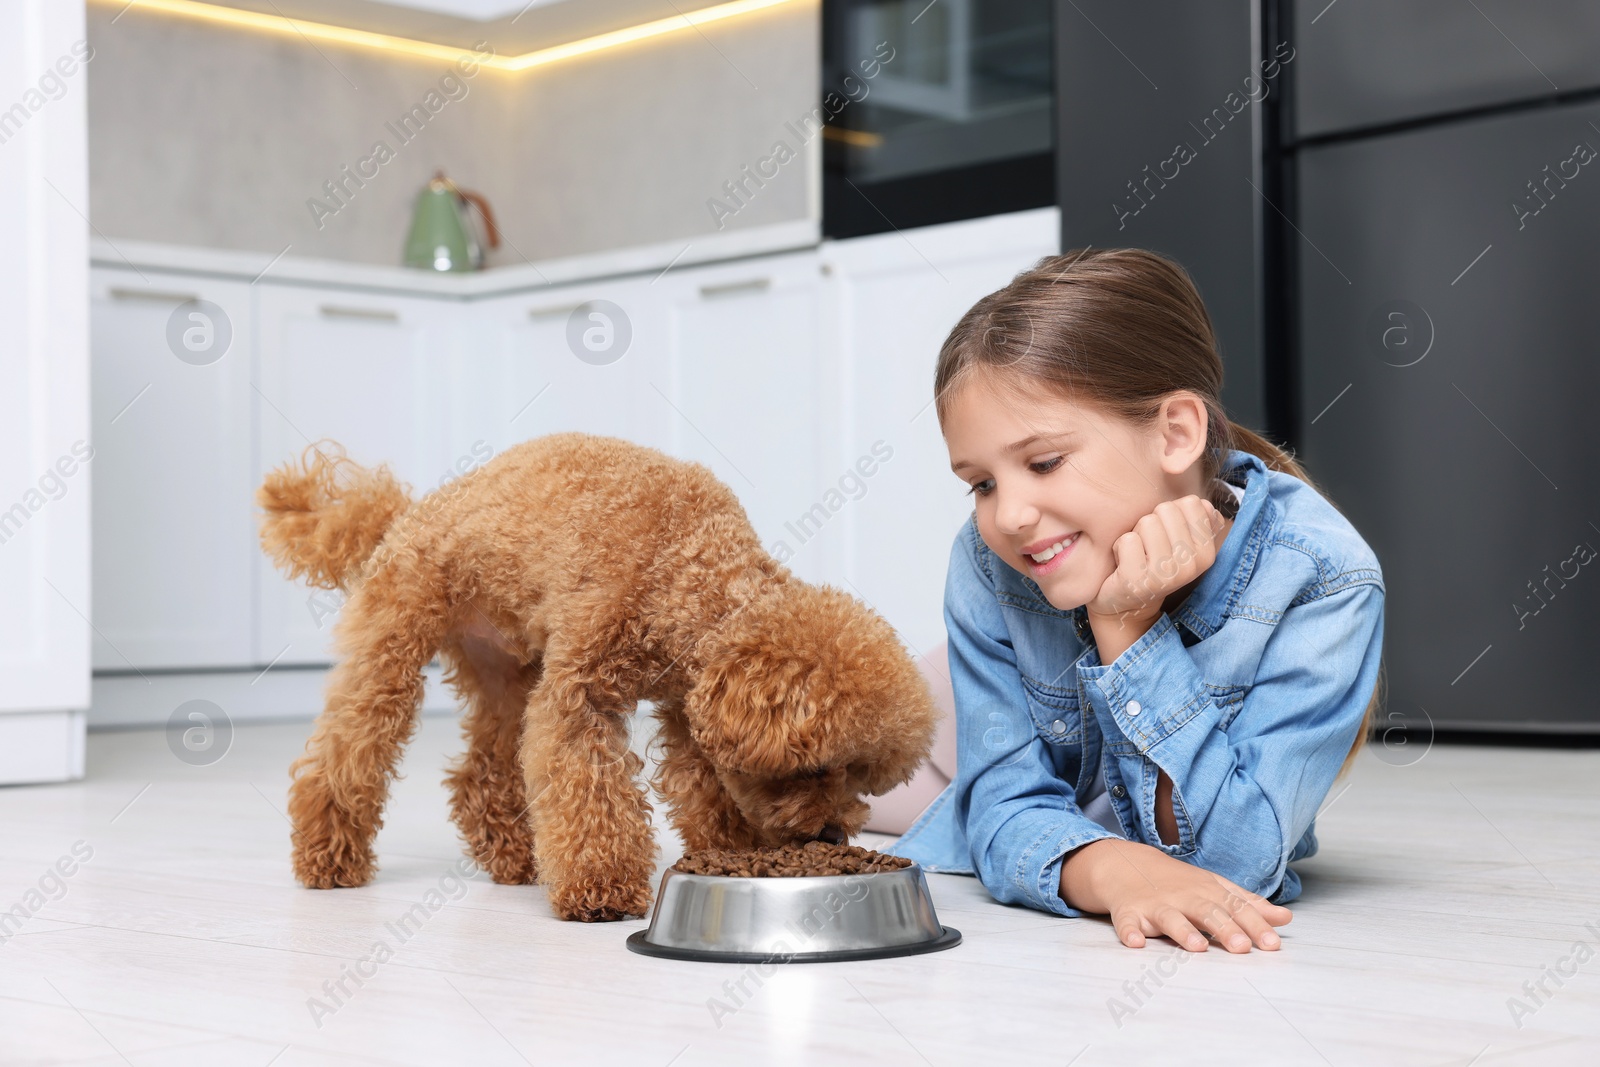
326, 514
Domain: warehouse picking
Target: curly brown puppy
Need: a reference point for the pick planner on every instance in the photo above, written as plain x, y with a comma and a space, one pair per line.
562, 582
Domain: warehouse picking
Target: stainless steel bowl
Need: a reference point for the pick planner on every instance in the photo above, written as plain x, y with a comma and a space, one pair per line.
793, 919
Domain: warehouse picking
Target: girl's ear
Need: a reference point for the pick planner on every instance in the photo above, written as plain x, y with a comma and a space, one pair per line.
1182, 422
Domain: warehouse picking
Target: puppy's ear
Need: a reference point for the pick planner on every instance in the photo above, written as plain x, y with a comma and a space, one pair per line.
764, 701
748, 710
804, 677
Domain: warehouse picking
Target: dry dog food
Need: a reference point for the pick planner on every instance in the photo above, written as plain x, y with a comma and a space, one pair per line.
789, 861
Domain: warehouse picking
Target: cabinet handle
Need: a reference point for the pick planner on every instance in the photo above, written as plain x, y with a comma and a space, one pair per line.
750, 285
333, 311
553, 312
152, 294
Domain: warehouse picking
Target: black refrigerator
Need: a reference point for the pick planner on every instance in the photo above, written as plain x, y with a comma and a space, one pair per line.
1424, 286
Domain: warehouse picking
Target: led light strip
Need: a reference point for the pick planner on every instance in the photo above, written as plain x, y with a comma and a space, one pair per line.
256, 20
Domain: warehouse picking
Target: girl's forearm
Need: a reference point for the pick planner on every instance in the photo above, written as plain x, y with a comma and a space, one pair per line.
1078, 885
1115, 634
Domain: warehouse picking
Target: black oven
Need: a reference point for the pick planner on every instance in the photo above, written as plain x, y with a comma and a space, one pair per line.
935, 110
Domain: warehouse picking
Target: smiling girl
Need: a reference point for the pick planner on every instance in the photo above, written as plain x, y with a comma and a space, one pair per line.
1164, 641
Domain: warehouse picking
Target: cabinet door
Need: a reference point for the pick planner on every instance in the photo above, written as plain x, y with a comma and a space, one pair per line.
1371, 62
44, 410
898, 295
575, 357
173, 534
373, 373
751, 395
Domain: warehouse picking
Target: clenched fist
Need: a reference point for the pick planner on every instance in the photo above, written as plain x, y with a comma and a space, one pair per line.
1165, 551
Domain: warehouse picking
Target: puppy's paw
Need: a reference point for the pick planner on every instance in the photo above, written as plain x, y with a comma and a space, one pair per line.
508, 868
600, 903
333, 869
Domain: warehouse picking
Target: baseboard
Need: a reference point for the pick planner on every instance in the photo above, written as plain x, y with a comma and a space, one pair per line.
41, 746
280, 695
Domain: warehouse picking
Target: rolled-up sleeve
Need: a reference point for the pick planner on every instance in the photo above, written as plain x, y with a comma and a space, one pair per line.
1247, 777
1020, 818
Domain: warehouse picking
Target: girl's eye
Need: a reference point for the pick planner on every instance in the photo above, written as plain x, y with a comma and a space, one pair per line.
1043, 467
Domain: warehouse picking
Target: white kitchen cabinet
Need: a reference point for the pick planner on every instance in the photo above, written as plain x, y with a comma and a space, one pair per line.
801, 379
44, 409
897, 297
752, 394
572, 357
173, 534
370, 371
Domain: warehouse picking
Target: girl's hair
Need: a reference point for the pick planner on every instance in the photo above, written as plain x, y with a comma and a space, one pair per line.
1119, 329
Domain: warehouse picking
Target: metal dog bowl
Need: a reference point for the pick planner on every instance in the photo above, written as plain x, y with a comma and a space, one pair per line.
815, 919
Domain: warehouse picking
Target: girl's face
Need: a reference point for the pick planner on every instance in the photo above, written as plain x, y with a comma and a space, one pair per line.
1078, 475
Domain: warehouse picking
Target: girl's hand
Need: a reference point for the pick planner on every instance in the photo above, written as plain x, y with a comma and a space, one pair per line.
1165, 551
1148, 893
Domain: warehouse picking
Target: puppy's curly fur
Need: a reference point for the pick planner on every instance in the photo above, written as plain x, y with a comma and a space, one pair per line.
562, 582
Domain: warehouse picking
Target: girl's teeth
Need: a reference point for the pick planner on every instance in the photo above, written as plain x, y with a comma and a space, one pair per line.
1050, 553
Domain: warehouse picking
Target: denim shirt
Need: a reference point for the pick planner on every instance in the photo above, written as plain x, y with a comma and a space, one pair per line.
1248, 695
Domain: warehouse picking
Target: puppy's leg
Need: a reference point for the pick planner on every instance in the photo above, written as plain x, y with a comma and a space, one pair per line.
591, 827
385, 636
486, 783
698, 806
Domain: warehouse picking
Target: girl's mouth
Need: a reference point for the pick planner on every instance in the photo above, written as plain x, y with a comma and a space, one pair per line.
1054, 562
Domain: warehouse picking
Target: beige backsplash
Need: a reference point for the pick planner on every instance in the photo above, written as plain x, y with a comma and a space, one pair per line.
216, 137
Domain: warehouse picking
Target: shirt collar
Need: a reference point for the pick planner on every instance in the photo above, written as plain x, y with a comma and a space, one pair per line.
1224, 581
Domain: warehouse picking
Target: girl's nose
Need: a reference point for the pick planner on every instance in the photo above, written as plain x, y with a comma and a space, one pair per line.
1014, 512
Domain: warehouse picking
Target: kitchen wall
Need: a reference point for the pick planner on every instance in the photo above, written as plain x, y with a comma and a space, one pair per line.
216, 137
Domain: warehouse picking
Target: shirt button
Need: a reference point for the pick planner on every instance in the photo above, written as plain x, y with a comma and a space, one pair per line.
1134, 707
1058, 727
1118, 791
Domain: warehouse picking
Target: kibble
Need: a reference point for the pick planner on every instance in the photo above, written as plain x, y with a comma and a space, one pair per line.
811, 859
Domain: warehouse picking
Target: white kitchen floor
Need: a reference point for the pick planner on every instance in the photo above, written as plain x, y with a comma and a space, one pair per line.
1443, 885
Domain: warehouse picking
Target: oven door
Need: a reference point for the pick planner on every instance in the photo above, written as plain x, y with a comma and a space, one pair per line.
935, 112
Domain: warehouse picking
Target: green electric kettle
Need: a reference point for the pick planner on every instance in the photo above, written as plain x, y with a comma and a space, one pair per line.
441, 236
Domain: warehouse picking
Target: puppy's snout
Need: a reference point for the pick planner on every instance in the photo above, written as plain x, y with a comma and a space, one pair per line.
833, 835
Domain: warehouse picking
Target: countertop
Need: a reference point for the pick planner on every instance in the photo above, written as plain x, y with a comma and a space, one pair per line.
286, 268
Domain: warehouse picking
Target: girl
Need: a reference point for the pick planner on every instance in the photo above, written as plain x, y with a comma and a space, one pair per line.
1164, 641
